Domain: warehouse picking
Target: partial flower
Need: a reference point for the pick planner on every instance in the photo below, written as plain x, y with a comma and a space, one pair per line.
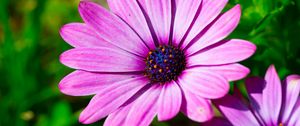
150, 58
217, 121
272, 103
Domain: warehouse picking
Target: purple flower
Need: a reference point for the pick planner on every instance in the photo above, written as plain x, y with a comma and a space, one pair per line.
271, 103
152, 57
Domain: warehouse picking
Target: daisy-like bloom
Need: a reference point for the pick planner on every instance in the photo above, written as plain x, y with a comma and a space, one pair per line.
271, 103
152, 57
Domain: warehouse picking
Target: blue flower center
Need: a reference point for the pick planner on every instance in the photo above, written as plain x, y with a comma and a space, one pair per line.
164, 64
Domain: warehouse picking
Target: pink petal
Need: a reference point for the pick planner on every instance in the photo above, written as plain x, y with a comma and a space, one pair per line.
169, 101
255, 86
291, 92
144, 108
110, 98
82, 35
232, 72
219, 29
159, 13
81, 83
131, 13
101, 60
272, 96
185, 13
217, 121
111, 28
195, 107
204, 83
210, 9
225, 52
118, 117
236, 112
294, 119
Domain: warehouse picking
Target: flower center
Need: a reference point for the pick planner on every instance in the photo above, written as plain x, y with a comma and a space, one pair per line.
164, 64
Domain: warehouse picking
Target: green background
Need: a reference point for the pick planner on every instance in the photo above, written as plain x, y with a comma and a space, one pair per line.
30, 46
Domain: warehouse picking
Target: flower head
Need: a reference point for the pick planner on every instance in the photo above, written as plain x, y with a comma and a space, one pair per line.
152, 57
271, 103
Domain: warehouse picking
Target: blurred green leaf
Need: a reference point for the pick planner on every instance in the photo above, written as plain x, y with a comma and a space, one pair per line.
61, 114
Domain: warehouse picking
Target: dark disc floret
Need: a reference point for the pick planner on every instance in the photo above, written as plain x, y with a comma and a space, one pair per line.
164, 64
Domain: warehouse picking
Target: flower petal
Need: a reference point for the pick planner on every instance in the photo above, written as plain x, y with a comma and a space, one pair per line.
225, 52
110, 98
159, 13
291, 92
272, 101
186, 11
144, 108
217, 121
204, 83
82, 35
81, 83
232, 72
236, 112
195, 107
294, 119
255, 86
217, 31
111, 28
210, 9
118, 117
101, 60
131, 13
169, 101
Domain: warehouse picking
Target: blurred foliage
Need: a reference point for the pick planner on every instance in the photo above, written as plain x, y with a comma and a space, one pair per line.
30, 46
